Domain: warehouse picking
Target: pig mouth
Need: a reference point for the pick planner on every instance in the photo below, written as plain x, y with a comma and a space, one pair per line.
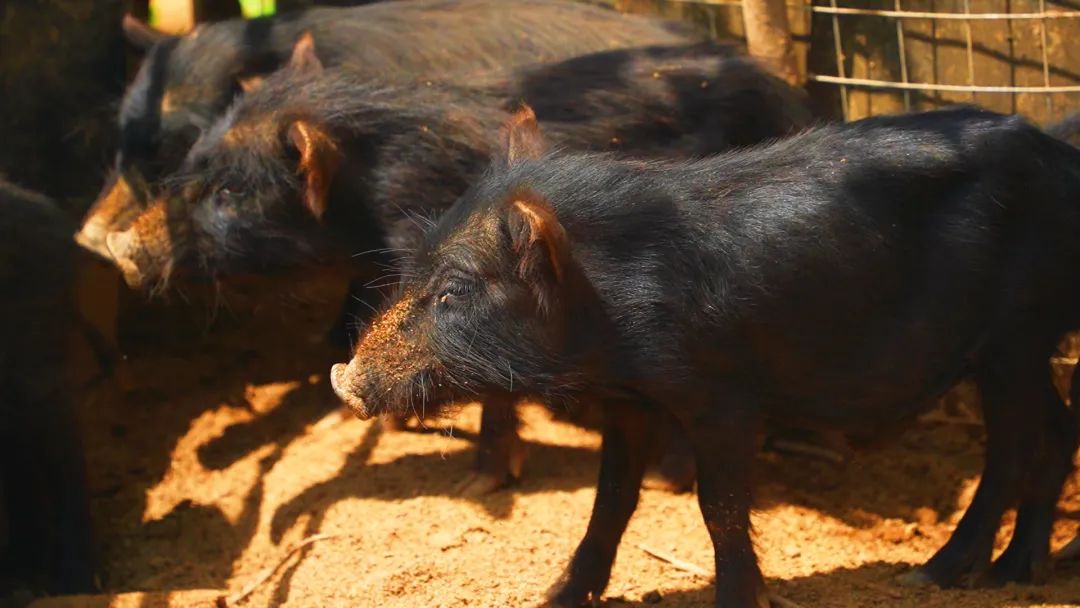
342, 387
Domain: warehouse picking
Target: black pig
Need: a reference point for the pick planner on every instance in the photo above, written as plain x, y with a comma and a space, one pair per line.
317, 165
186, 82
841, 280
46, 537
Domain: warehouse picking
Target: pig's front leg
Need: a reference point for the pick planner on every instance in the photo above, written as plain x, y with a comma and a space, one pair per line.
629, 430
500, 452
722, 433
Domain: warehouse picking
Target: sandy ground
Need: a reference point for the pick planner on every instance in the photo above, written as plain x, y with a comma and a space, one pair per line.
227, 451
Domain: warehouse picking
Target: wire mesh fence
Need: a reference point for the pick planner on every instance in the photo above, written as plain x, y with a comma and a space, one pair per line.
870, 57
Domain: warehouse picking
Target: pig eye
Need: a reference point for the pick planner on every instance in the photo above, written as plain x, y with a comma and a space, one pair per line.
228, 195
454, 288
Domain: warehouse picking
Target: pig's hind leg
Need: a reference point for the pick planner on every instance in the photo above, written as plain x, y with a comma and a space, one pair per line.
1012, 378
1071, 551
1026, 559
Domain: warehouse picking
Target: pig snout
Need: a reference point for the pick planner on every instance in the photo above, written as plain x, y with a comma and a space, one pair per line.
125, 249
115, 209
144, 252
342, 379
92, 237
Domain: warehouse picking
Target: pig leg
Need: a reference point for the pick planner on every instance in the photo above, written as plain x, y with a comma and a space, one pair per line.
627, 437
48, 502
1027, 557
72, 538
1072, 550
500, 453
724, 440
1007, 393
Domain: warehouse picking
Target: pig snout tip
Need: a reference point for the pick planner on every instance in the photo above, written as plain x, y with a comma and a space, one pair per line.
119, 245
92, 239
341, 388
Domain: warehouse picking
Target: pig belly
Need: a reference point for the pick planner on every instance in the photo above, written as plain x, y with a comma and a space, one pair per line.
880, 374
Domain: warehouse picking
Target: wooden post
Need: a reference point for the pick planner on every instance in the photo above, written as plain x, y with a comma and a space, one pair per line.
173, 16
768, 36
181, 16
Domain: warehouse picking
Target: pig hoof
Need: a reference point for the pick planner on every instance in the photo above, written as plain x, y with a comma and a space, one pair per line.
481, 484
566, 595
1014, 568
915, 578
957, 573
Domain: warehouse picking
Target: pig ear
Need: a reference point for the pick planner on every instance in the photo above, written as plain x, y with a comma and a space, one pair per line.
521, 138
250, 83
540, 242
139, 33
303, 59
319, 160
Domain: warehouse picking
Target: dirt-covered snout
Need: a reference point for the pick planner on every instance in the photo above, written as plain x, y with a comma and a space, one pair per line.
394, 366
349, 383
249, 197
116, 207
149, 249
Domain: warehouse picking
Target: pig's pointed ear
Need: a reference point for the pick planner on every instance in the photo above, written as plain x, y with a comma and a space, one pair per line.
541, 244
140, 34
250, 83
319, 159
521, 138
303, 59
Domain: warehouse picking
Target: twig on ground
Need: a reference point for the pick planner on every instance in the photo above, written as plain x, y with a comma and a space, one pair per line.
677, 563
268, 572
697, 570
